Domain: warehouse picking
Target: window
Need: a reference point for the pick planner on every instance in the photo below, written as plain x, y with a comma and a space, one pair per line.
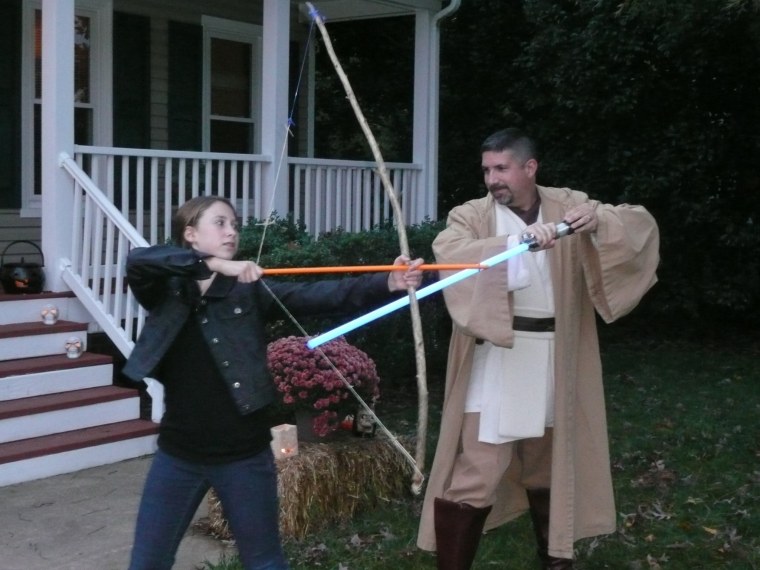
91, 88
231, 86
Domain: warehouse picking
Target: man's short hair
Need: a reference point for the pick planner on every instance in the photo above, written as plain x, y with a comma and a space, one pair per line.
512, 139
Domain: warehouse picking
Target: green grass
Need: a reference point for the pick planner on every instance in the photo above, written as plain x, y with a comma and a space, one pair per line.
685, 450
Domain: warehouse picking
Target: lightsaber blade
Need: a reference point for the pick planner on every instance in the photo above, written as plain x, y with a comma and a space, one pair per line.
421, 294
369, 268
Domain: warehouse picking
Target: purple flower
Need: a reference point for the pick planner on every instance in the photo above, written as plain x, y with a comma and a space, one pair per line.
297, 370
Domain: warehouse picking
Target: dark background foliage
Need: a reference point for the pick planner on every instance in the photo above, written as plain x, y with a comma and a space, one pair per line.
388, 340
652, 102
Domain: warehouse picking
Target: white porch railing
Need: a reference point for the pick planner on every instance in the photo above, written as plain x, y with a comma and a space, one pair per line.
331, 194
95, 272
147, 186
143, 188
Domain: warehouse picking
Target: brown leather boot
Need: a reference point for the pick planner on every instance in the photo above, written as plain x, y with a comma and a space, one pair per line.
539, 500
458, 528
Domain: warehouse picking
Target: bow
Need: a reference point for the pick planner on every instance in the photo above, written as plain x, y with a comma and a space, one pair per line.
418, 461
419, 349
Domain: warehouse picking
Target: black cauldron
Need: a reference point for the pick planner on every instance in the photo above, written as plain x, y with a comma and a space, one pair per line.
22, 277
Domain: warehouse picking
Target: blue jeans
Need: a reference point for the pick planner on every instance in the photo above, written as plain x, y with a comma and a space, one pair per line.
175, 488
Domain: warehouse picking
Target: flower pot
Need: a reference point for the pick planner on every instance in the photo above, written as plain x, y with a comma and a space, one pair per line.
305, 427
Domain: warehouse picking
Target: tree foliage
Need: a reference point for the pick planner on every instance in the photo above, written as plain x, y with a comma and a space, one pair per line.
652, 102
378, 58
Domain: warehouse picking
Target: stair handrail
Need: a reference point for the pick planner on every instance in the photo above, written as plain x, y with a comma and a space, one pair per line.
115, 309
99, 197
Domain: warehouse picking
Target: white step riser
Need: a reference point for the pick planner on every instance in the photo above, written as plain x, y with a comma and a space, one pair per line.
75, 460
28, 310
59, 421
38, 345
55, 381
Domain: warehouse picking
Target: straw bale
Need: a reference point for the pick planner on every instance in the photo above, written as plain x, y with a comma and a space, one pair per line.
328, 483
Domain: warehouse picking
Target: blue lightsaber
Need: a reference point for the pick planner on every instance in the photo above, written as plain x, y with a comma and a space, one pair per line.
563, 229
421, 294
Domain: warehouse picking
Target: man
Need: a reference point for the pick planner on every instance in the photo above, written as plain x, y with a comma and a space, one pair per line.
523, 415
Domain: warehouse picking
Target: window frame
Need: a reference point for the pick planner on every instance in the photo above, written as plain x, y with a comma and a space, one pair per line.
251, 34
99, 13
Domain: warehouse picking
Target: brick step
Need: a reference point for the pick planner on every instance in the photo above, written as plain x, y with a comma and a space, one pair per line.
71, 451
44, 295
12, 330
32, 339
29, 377
54, 413
28, 308
36, 365
63, 401
75, 439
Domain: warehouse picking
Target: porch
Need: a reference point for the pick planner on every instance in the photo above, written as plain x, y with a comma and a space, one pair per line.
107, 142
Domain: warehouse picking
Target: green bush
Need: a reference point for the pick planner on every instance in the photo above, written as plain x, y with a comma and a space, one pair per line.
389, 341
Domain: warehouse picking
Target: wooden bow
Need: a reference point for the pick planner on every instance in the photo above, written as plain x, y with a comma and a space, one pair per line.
419, 346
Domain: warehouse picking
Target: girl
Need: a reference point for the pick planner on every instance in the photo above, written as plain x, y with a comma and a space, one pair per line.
205, 342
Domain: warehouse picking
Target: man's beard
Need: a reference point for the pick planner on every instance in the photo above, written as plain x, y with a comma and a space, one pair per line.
503, 198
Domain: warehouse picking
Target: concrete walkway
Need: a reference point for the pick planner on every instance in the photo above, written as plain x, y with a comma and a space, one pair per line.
85, 521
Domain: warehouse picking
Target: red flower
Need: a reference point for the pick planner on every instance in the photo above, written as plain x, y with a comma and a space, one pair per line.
307, 374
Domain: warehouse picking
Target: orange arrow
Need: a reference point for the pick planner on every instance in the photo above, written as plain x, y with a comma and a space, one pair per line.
368, 268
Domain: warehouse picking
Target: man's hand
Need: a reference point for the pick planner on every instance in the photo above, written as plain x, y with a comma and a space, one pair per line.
544, 234
582, 218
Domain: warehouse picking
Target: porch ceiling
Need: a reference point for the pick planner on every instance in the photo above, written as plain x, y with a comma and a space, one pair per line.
338, 10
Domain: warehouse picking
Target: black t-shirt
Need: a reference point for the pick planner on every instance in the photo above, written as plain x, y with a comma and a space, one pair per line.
201, 422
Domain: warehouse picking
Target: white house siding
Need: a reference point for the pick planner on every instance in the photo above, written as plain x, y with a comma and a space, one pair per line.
191, 11
12, 228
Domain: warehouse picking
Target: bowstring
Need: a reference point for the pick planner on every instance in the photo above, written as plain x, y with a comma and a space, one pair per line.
270, 212
394, 440
269, 221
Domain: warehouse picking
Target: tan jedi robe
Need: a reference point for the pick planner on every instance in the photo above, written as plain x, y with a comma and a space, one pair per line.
609, 276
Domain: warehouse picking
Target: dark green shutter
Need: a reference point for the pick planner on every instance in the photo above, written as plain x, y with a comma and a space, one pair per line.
10, 104
185, 86
131, 81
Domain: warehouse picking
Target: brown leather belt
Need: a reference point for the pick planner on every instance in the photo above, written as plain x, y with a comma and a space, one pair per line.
529, 324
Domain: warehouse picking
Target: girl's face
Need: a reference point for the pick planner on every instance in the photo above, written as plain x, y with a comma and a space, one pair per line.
216, 232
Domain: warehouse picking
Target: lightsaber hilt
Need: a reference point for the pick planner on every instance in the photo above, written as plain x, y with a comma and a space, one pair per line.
562, 229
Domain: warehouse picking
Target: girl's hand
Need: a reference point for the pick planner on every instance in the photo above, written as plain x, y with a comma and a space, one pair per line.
402, 280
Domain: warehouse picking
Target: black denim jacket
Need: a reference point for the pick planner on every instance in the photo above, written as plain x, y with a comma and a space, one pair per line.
231, 315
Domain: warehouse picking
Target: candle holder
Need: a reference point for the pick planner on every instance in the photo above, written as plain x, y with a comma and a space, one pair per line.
364, 424
49, 314
284, 441
73, 347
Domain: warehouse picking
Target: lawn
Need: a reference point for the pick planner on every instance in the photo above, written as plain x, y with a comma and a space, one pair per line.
685, 448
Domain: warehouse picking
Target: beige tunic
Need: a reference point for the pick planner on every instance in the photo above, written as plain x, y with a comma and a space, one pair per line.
610, 277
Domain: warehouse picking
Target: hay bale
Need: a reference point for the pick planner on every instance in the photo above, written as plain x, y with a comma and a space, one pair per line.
328, 483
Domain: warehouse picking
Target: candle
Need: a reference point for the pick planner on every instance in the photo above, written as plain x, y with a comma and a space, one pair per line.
284, 441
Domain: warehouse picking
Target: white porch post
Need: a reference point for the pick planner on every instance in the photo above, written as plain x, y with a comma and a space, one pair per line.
427, 55
425, 125
274, 101
57, 135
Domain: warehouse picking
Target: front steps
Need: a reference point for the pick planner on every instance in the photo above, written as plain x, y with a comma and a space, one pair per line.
60, 414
